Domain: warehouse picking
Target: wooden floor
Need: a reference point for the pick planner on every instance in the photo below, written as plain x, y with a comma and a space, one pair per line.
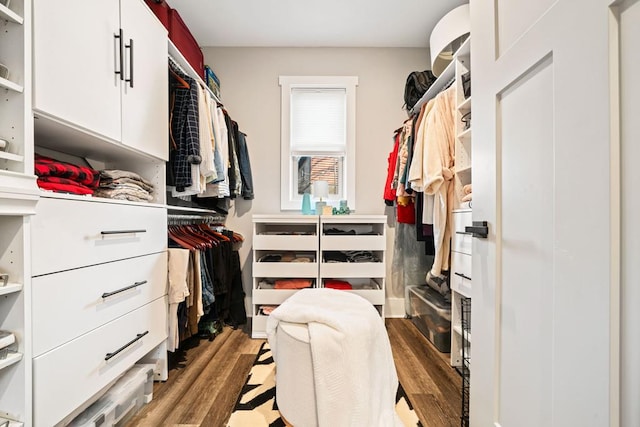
205, 380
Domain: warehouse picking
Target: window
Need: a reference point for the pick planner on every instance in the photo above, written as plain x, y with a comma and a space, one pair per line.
318, 138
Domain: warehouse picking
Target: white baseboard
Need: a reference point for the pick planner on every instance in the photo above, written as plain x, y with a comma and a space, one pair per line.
394, 307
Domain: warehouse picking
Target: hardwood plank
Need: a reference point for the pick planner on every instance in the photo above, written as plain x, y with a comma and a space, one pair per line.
432, 412
224, 403
204, 384
161, 408
194, 405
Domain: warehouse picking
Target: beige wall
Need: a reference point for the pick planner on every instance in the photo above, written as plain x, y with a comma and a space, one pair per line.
251, 94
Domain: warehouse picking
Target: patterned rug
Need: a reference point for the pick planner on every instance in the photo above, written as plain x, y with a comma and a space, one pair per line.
257, 407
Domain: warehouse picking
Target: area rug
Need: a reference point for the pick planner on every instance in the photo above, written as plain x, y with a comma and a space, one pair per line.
257, 407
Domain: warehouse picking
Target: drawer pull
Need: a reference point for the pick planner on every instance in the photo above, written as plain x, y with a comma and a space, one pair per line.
478, 229
135, 285
464, 232
106, 233
462, 275
137, 338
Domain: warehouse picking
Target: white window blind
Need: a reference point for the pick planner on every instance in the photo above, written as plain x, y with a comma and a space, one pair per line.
318, 120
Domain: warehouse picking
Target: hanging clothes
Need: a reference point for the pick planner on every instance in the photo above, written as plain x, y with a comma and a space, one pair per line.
184, 132
439, 173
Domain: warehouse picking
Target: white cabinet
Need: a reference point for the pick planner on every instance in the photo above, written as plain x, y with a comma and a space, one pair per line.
284, 247
101, 67
362, 239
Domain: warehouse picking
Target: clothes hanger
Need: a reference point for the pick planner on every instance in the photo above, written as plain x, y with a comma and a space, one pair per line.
182, 83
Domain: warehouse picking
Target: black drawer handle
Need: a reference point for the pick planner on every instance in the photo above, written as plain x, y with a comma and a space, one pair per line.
130, 47
106, 233
135, 285
464, 232
462, 275
478, 229
137, 338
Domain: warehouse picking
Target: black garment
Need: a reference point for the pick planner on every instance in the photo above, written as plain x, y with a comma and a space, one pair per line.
185, 133
245, 167
232, 128
237, 312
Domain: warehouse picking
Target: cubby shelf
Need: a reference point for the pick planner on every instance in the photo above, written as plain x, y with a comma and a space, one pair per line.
8, 84
10, 15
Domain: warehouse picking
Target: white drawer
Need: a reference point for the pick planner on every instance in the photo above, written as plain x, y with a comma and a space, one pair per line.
271, 296
285, 243
259, 326
66, 377
374, 296
69, 234
461, 268
84, 300
353, 243
352, 269
461, 241
285, 269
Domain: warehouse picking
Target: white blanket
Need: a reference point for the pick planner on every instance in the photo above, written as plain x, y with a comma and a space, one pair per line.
354, 374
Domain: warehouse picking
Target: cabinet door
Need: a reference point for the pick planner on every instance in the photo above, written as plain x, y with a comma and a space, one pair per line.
145, 105
76, 56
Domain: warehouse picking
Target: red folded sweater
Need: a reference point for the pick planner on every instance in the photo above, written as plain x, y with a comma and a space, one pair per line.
337, 284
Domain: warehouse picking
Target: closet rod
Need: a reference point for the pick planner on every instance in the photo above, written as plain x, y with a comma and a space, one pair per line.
180, 68
177, 219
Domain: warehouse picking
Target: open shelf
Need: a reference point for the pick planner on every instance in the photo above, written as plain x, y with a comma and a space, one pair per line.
447, 75
465, 105
10, 156
10, 288
6, 13
465, 135
8, 84
10, 360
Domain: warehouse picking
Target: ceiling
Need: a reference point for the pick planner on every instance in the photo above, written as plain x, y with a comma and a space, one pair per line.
307, 23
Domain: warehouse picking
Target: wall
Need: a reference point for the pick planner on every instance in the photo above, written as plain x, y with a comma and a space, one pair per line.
251, 94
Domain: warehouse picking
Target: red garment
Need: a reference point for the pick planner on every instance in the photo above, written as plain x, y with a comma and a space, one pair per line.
390, 193
59, 187
293, 283
46, 166
406, 212
337, 284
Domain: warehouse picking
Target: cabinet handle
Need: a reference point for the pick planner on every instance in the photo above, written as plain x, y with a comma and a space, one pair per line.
462, 275
466, 233
121, 349
105, 233
135, 285
130, 47
120, 38
478, 229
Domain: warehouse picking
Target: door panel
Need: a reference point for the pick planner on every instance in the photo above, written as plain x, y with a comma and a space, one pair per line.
629, 68
541, 294
75, 56
526, 149
515, 16
147, 101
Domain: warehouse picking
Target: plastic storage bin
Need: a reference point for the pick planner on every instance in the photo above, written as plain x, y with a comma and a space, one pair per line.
121, 402
431, 313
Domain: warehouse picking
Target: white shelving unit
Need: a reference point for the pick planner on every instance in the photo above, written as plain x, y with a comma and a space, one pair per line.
361, 233
18, 199
281, 234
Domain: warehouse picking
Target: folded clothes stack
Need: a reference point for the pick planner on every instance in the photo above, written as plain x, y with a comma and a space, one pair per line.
337, 284
62, 177
124, 185
350, 256
293, 283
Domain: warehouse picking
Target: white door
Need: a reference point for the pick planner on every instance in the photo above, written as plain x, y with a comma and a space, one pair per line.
541, 305
75, 59
145, 99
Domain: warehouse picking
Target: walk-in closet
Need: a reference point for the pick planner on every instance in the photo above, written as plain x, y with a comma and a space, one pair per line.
263, 214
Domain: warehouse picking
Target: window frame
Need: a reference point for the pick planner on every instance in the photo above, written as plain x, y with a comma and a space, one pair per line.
289, 199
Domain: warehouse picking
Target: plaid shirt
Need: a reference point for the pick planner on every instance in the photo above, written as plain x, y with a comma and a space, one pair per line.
185, 133
48, 167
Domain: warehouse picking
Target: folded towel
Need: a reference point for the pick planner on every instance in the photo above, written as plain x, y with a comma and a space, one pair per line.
467, 189
467, 198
